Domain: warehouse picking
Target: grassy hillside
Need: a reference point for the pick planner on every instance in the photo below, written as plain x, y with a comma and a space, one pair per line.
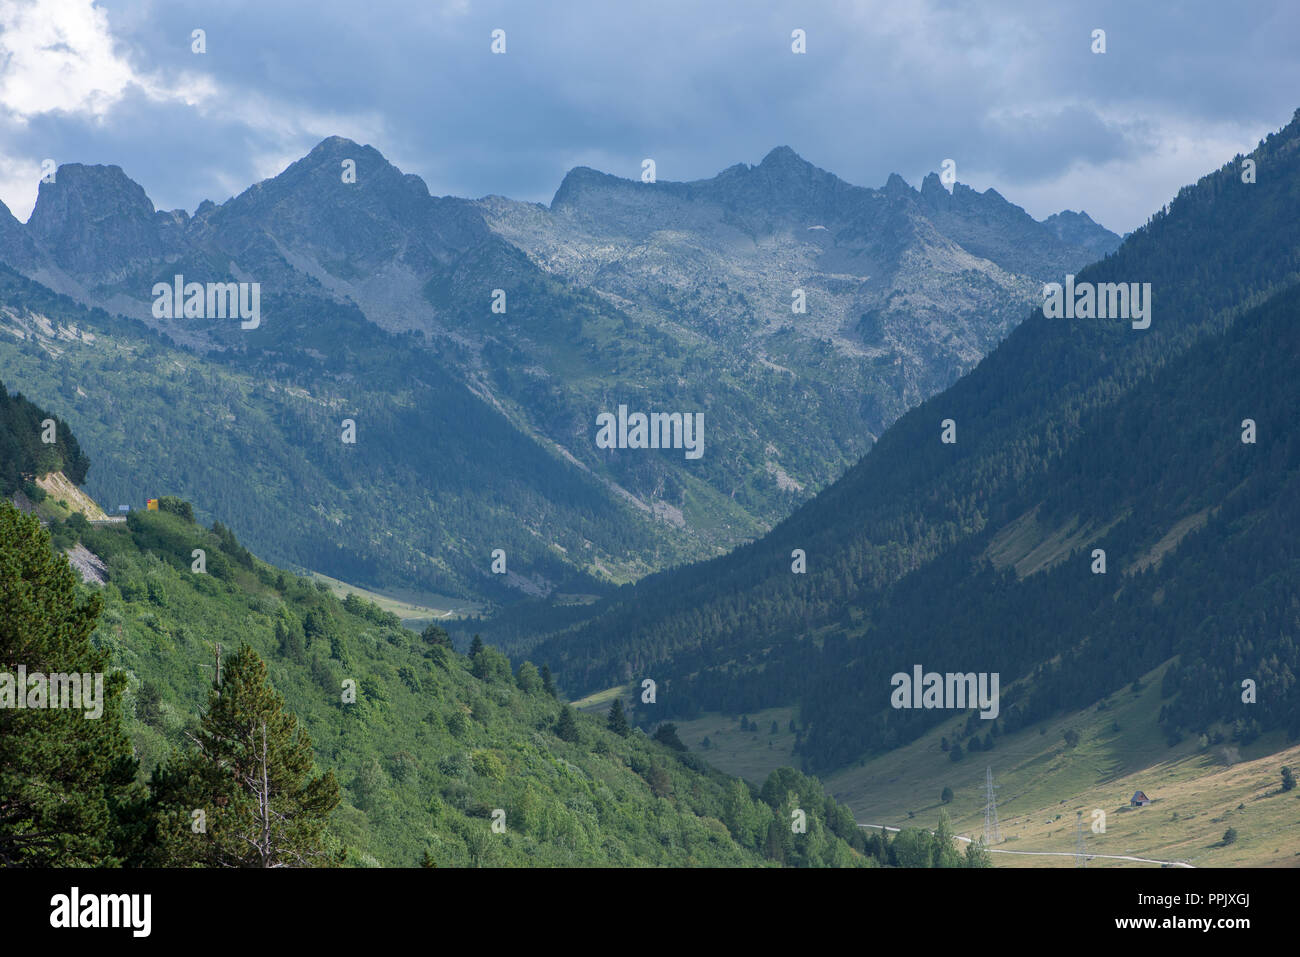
435, 742
751, 754
415, 609
1198, 789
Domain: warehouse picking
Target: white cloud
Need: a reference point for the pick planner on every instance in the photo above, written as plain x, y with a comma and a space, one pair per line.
1122, 193
60, 56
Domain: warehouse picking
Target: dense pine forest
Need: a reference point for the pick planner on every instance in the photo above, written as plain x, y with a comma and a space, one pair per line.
30, 448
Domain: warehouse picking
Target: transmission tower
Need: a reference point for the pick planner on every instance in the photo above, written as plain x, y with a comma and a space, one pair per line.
991, 833
1079, 859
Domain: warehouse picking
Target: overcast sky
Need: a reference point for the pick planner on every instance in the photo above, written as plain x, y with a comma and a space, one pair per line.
1009, 90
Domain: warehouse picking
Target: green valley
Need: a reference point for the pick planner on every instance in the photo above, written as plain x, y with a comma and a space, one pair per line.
431, 748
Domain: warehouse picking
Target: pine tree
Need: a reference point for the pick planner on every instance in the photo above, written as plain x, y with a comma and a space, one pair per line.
476, 647
251, 777
436, 636
65, 780
566, 728
618, 720
290, 641
548, 683
774, 848
944, 853
739, 814
667, 734
977, 855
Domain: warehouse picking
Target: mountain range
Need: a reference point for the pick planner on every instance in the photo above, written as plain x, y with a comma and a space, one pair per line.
919, 471
473, 343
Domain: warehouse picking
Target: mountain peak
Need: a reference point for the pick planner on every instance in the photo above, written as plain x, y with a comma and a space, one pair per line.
345, 202
896, 184
333, 144
95, 219
783, 156
331, 152
784, 165
1069, 215
577, 180
1082, 230
372, 179
932, 186
334, 149
106, 188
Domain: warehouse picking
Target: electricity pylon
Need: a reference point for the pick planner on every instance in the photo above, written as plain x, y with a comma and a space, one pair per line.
991, 833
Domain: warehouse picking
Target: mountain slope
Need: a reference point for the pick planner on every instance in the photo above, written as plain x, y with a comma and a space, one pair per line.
1197, 528
377, 304
895, 292
737, 633
434, 742
1199, 787
269, 449
434, 750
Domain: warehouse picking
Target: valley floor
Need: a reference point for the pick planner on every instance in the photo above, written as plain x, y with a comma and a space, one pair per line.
1198, 791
